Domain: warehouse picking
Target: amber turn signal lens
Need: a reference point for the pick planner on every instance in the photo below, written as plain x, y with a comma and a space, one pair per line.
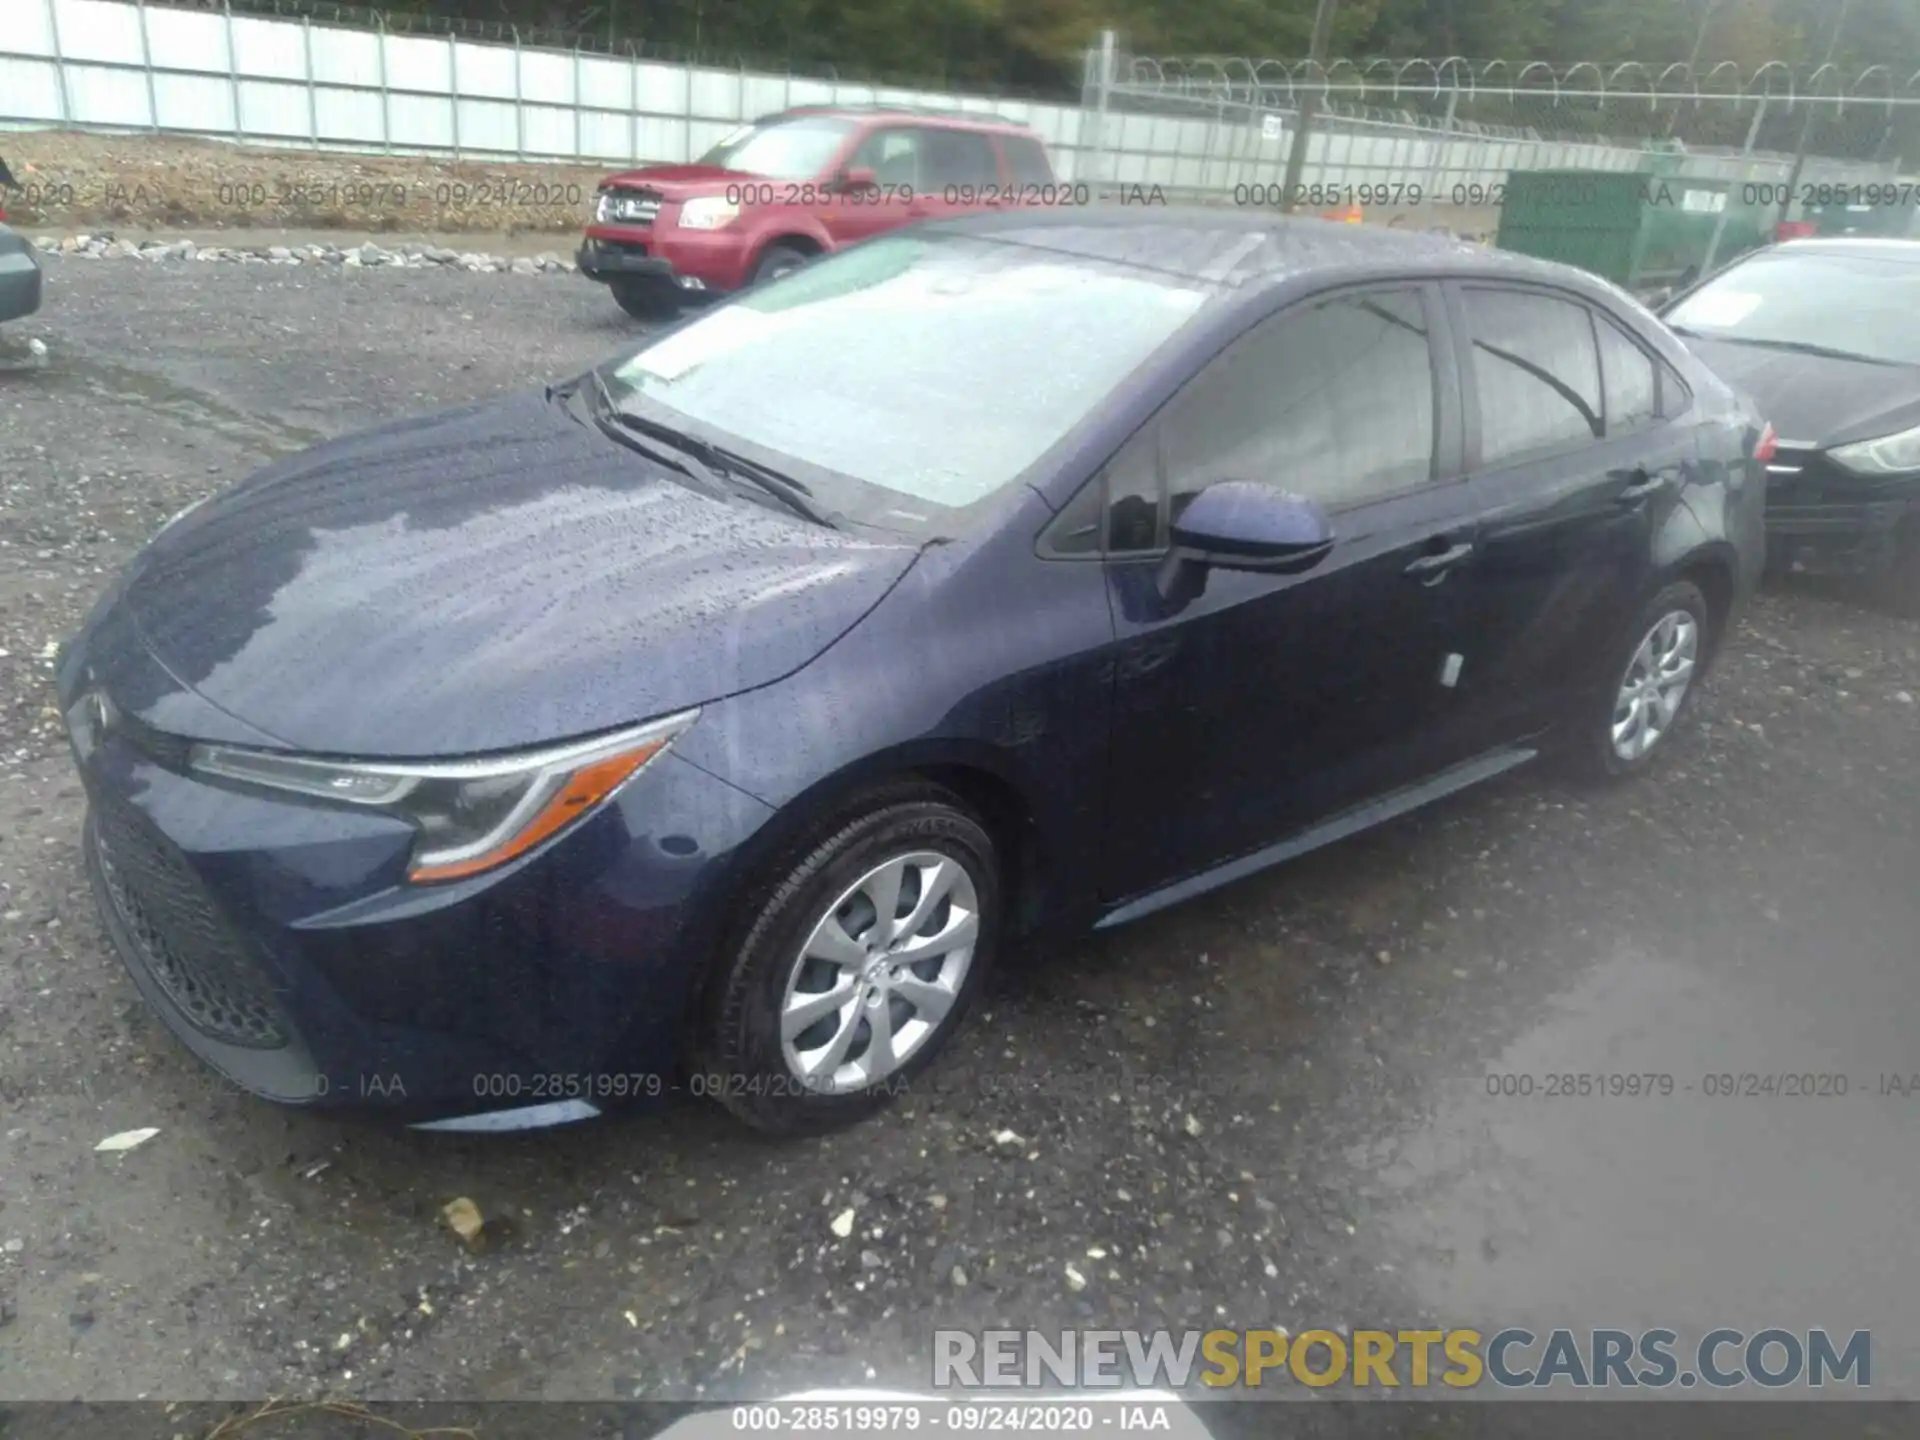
585, 789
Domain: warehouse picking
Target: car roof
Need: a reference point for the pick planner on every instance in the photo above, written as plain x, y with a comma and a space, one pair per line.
1255, 250
1879, 247
878, 110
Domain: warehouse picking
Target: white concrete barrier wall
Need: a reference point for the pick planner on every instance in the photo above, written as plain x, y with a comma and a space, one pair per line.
110, 64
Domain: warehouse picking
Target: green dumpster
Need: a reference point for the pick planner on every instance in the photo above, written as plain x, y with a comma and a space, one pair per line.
1645, 230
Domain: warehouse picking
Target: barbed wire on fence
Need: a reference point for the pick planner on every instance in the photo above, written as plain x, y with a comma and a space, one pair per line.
1870, 114
1246, 80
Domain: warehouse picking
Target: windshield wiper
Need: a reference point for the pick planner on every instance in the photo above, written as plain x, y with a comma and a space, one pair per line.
1803, 347
680, 456
796, 495
705, 462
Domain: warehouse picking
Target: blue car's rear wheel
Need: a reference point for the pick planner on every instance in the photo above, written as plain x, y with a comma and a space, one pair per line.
862, 954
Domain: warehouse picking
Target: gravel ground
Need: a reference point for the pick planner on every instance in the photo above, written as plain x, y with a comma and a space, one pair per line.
1265, 1107
72, 178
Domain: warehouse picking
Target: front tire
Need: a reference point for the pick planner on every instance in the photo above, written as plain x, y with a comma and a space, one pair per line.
866, 948
1652, 681
779, 260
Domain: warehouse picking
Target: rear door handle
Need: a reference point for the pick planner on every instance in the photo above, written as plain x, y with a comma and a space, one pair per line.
1642, 487
1434, 568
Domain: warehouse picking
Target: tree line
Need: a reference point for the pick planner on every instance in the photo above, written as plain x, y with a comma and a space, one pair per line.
1034, 46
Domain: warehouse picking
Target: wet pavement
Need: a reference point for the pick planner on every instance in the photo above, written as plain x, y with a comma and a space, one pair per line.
1347, 1093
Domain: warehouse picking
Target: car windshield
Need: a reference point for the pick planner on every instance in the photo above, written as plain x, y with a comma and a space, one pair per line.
913, 376
783, 149
1855, 303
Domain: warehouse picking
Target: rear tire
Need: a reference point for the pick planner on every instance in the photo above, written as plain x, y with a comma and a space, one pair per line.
1653, 676
774, 1048
779, 260
645, 300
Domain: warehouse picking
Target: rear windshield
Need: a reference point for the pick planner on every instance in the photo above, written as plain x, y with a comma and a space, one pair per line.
784, 149
912, 376
1858, 304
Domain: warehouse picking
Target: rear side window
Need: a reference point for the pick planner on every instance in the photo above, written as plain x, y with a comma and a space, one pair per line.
1334, 401
1632, 383
1027, 159
1537, 369
959, 157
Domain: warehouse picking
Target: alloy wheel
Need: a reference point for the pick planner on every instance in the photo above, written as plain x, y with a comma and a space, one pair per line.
880, 972
1655, 684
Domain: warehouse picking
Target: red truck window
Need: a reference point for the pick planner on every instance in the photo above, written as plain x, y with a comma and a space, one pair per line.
1027, 159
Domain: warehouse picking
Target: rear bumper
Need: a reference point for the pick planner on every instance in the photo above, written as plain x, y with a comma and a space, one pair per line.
19, 284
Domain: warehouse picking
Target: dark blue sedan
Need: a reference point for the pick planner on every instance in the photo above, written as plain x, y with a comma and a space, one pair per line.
710, 721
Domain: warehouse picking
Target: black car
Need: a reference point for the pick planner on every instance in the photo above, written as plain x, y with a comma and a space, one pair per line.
19, 266
710, 720
1823, 335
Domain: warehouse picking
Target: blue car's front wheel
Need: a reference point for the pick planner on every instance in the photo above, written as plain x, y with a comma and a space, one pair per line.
862, 953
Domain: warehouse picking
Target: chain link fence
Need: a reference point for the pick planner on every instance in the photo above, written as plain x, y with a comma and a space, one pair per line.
1432, 142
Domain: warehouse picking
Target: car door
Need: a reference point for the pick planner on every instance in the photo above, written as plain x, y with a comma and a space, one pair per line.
1271, 701
894, 154
1572, 469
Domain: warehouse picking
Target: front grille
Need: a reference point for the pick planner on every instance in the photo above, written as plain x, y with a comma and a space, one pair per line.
208, 972
620, 247
628, 207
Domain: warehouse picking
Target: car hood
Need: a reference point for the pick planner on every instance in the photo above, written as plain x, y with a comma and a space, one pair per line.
1815, 399
679, 182
492, 577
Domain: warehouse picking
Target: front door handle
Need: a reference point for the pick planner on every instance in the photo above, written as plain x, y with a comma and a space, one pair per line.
1434, 568
1641, 487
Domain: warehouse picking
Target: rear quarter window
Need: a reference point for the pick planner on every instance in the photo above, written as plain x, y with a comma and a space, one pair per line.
1027, 160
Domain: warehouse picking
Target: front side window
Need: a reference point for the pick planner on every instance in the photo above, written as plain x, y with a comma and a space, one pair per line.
1334, 401
1135, 521
912, 376
896, 158
1537, 369
797, 149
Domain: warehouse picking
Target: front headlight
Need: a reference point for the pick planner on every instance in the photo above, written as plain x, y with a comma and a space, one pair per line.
1889, 455
708, 213
472, 815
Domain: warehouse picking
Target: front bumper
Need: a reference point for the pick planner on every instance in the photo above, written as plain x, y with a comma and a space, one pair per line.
694, 262
19, 284
274, 939
1847, 538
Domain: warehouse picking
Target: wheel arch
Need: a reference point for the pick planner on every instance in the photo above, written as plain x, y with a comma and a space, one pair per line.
809, 243
1714, 569
981, 776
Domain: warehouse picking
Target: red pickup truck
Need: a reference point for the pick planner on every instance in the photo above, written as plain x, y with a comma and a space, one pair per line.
798, 184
